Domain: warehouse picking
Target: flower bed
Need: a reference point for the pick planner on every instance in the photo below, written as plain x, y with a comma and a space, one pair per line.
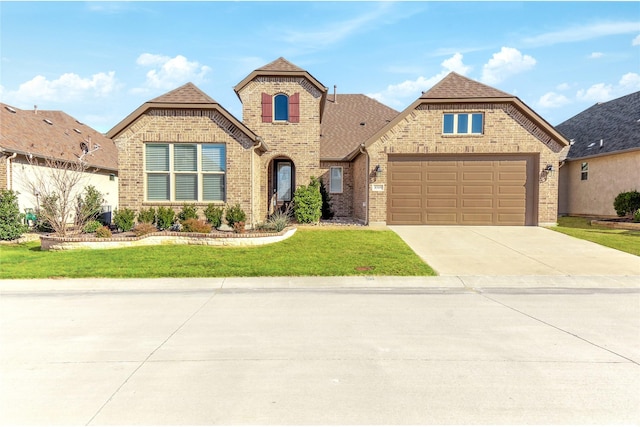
624, 223
56, 243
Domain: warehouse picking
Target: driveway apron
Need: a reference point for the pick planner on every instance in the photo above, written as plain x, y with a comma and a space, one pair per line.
506, 251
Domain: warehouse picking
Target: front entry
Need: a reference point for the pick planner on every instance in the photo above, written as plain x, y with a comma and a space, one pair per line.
282, 184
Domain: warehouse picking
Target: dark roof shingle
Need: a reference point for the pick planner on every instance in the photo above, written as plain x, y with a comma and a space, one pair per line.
616, 123
185, 94
456, 86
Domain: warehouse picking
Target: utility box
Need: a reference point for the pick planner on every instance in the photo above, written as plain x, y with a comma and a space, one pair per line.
105, 215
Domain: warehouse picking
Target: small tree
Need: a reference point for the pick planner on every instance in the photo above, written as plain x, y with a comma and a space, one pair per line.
89, 206
307, 203
327, 212
11, 226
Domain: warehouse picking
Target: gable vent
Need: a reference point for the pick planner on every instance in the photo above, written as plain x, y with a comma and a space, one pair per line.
47, 121
11, 110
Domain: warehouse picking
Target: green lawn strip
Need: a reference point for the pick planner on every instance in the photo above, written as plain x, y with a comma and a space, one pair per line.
306, 253
581, 228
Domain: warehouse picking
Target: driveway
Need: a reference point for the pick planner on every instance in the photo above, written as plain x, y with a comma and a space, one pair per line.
508, 251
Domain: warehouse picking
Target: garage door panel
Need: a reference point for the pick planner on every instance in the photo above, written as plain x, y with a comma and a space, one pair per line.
467, 190
410, 203
406, 176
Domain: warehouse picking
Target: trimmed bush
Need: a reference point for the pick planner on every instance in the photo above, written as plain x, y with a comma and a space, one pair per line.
327, 212
89, 207
235, 214
92, 226
11, 226
166, 217
627, 203
307, 203
213, 214
144, 228
123, 219
188, 212
103, 232
193, 225
147, 216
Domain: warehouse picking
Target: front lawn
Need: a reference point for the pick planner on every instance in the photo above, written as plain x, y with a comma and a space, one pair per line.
622, 240
309, 252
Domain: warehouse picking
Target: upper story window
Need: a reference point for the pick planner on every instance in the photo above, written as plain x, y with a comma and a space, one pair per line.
584, 171
185, 172
463, 123
280, 108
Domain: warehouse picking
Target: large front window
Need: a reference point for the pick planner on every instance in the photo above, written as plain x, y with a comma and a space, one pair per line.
185, 172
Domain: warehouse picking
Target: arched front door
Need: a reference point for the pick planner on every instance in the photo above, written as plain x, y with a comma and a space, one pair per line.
282, 184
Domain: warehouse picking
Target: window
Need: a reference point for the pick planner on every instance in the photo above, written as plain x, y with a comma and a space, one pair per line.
460, 123
335, 179
584, 171
281, 107
185, 172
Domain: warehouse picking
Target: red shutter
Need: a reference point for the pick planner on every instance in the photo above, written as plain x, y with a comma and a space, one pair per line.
267, 108
294, 108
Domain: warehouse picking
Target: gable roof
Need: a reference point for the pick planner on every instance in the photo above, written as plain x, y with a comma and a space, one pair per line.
187, 96
457, 89
349, 122
281, 64
53, 135
616, 123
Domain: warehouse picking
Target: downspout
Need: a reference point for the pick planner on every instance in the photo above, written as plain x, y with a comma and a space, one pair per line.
366, 211
256, 145
9, 183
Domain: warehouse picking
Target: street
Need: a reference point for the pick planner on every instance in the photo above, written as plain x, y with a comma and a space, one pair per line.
321, 351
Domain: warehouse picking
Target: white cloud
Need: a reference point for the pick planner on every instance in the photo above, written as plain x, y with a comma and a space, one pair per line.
396, 95
553, 100
66, 88
503, 64
598, 92
596, 55
636, 41
583, 32
563, 86
169, 73
630, 82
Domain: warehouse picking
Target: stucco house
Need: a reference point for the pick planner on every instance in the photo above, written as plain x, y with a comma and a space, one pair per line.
603, 158
28, 138
463, 153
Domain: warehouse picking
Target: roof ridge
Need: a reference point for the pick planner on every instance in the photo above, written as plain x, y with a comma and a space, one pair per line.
188, 93
455, 85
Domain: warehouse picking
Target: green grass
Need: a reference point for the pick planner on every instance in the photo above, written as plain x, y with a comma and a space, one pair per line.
623, 240
306, 253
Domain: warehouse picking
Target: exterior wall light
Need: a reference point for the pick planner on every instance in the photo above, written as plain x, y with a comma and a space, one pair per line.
378, 171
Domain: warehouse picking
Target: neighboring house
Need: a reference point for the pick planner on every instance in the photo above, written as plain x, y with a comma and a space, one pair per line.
34, 136
463, 153
603, 158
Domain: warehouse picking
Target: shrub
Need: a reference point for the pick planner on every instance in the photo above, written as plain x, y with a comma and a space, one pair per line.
327, 212
11, 226
235, 214
188, 212
213, 214
123, 219
193, 225
144, 228
89, 207
42, 224
238, 226
92, 226
636, 216
166, 217
627, 203
147, 216
307, 203
278, 221
103, 232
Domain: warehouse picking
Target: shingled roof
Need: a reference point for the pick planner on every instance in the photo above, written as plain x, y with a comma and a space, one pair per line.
185, 94
53, 135
281, 64
349, 122
616, 123
456, 86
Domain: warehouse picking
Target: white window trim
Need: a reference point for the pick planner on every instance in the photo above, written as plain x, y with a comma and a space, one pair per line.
469, 123
331, 190
172, 173
584, 171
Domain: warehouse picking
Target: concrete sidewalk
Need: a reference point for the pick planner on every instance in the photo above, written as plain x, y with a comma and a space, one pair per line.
509, 251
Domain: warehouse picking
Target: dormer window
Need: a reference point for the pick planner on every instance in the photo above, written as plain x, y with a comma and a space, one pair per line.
280, 108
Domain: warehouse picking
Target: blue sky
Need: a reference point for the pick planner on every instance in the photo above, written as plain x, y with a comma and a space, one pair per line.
99, 61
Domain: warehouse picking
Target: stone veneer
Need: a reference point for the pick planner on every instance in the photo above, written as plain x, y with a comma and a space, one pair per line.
506, 131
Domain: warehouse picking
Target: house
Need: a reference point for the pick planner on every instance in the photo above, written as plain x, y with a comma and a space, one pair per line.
463, 153
603, 158
31, 139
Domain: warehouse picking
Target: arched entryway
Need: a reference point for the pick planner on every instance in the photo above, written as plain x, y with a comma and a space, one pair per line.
281, 183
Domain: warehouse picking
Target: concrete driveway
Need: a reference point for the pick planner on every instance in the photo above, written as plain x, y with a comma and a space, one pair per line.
508, 251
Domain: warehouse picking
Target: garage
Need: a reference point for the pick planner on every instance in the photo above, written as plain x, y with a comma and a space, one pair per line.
462, 190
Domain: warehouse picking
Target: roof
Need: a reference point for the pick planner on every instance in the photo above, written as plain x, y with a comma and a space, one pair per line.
349, 122
281, 64
616, 123
456, 86
457, 89
187, 96
54, 135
